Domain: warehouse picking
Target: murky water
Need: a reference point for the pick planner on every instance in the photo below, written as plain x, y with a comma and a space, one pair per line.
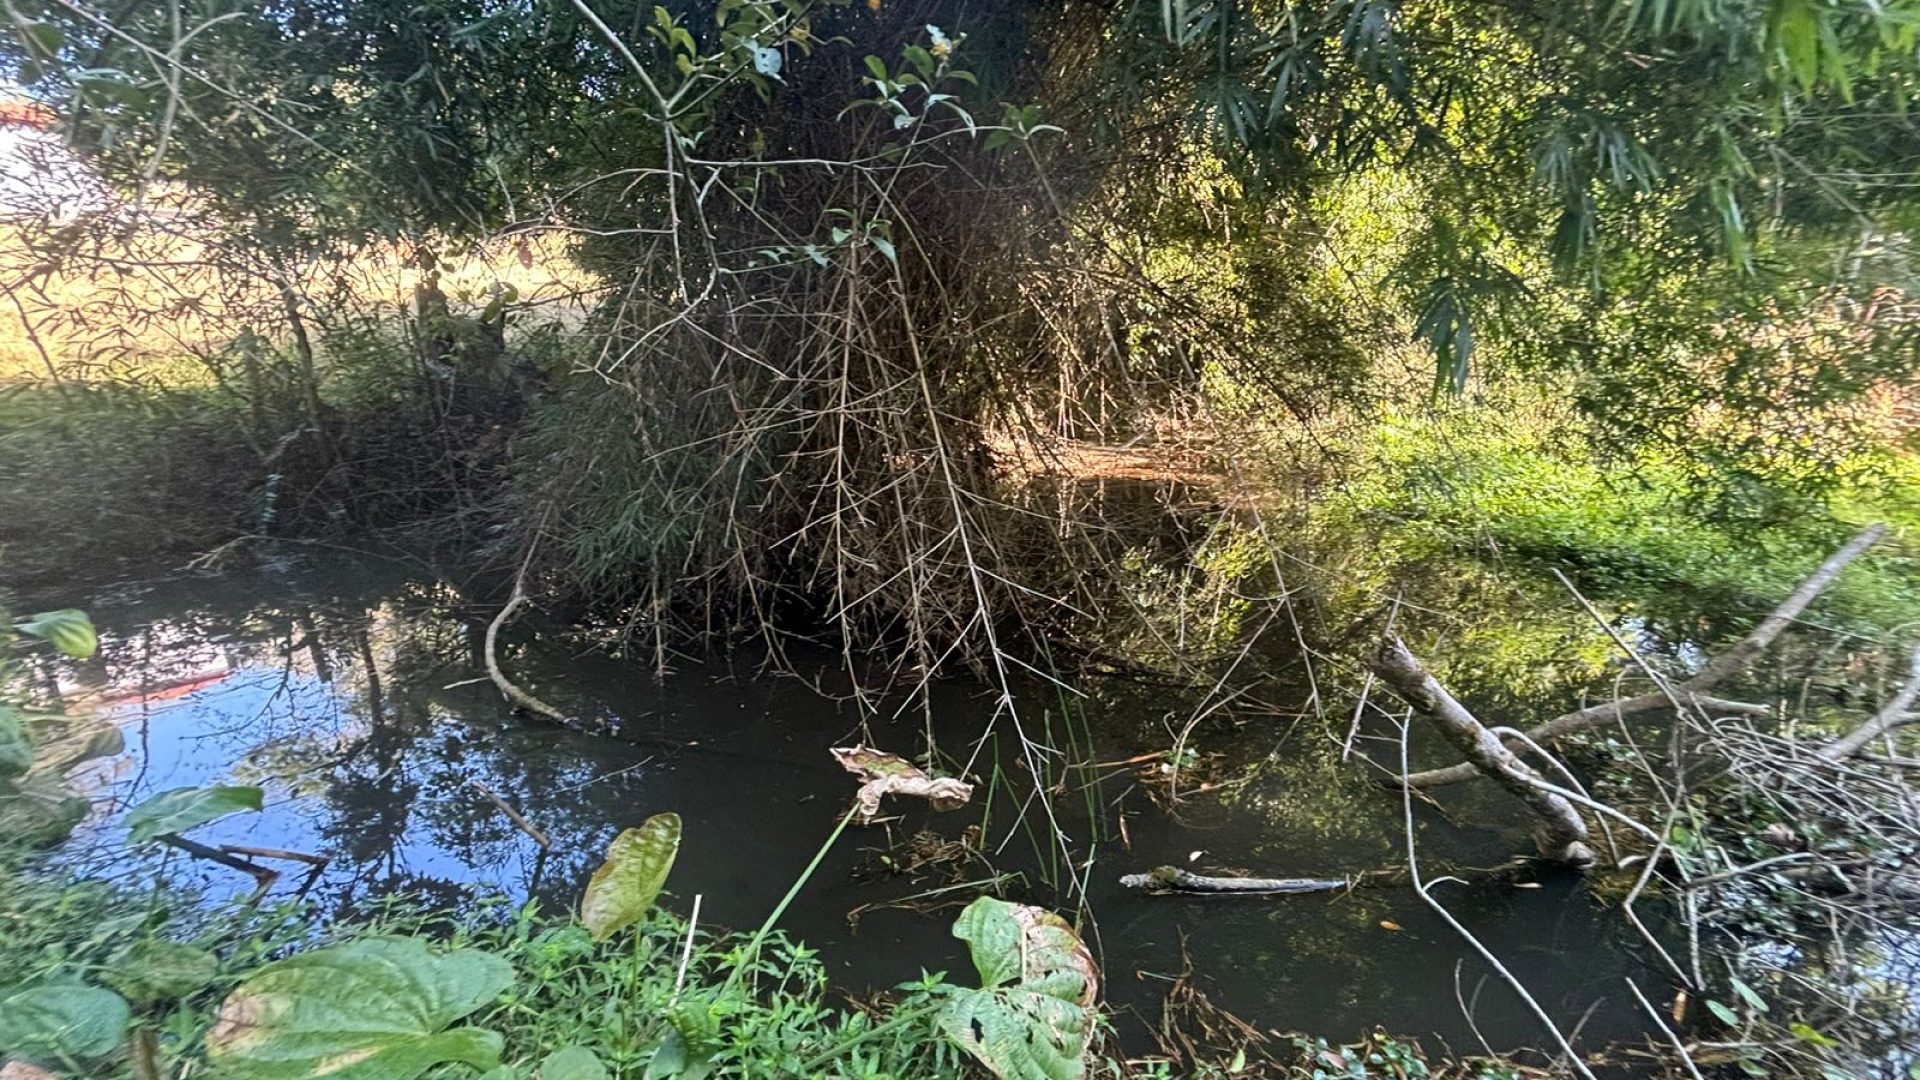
353, 694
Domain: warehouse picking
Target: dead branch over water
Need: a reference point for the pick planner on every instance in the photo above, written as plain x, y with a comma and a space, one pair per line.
1561, 834
1696, 690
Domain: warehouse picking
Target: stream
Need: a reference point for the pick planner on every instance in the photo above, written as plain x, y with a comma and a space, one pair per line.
352, 692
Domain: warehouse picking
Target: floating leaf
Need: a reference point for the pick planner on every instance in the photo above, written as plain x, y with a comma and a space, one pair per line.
626, 884
181, 809
374, 1009
156, 970
1031, 1019
62, 1020
572, 1063
70, 631
882, 773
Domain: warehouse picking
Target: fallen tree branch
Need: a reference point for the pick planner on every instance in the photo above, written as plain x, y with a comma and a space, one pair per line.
520, 698
1561, 832
1895, 714
1693, 691
1171, 880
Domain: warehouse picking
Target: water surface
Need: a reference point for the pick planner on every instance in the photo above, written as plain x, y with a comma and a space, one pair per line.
352, 692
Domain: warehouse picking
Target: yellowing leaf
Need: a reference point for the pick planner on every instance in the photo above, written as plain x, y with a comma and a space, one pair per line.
882, 773
1032, 1017
627, 884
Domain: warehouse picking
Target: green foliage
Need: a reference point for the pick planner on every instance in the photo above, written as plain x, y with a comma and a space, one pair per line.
69, 631
370, 1009
1511, 480
155, 970
16, 750
180, 809
60, 1021
625, 886
572, 1063
1031, 1018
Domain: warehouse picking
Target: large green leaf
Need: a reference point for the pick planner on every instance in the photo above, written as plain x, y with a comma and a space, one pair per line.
70, 631
158, 970
572, 1063
1032, 1017
374, 1009
626, 884
181, 809
62, 1020
16, 750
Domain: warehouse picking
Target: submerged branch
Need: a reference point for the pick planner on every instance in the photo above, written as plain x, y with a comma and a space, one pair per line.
521, 699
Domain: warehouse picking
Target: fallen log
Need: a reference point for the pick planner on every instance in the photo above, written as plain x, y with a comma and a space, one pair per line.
1696, 690
1172, 880
1560, 832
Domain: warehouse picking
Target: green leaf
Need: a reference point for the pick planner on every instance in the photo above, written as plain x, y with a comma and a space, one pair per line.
69, 630
572, 1063
45, 37
1811, 1037
626, 884
39, 810
62, 1020
1749, 995
16, 750
181, 809
1031, 1019
885, 247
157, 970
373, 1009
1723, 1014
1796, 35
877, 68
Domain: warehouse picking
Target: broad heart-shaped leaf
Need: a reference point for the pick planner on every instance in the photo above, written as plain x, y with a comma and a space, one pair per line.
1032, 1018
373, 1009
626, 884
62, 1020
70, 631
572, 1063
181, 809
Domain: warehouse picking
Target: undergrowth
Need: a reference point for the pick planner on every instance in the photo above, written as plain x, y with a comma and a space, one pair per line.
624, 999
1518, 487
